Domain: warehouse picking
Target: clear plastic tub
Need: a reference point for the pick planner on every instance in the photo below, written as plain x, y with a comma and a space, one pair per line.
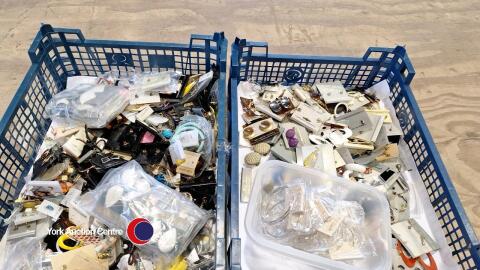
376, 223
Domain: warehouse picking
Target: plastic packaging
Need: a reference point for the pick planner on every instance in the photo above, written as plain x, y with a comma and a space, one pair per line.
128, 192
249, 89
24, 254
118, 187
122, 77
165, 82
196, 135
203, 246
213, 96
314, 220
200, 85
422, 211
175, 220
318, 219
93, 105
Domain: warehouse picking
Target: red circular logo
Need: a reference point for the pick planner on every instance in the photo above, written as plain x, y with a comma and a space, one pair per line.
139, 231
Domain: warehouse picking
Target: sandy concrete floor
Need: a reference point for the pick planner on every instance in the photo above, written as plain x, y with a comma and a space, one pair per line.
442, 38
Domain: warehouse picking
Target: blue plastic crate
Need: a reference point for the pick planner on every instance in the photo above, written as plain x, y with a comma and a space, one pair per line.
57, 53
377, 64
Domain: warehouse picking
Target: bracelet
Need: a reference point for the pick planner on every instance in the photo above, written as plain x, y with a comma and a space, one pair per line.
61, 244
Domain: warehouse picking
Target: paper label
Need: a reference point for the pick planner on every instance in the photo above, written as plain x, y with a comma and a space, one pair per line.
143, 98
321, 210
345, 251
188, 167
131, 116
78, 217
64, 132
189, 138
381, 90
247, 182
91, 94
143, 114
74, 145
71, 197
193, 256
156, 120
176, 151
155, 81
50, 209
75, 81
331, 226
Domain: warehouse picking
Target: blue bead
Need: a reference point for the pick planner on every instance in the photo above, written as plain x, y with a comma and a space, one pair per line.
167, 133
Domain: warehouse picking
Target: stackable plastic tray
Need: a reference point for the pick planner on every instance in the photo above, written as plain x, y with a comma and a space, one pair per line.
58, 53
252, 61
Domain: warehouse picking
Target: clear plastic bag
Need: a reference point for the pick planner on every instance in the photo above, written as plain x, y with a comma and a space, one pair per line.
196, 135
116, 189
128, 192
93, 105
165, 82
200, 85
175, 220
24, 254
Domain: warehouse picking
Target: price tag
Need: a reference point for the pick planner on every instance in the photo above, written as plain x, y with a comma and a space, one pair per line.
176, 152
143, 114
331, 226
71, 197
50, 209
189, 138
188, 167
247, 183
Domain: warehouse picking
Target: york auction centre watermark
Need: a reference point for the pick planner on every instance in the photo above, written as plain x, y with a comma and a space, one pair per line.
139, 231
83, 231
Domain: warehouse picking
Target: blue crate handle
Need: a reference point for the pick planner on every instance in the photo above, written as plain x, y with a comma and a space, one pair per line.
218, 38
45, 31
241, 44
400, 54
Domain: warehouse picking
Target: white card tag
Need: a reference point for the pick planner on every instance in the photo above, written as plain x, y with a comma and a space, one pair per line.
71, 197
247, 183
75, 81
143, 114
189, 138
91, 94
345, 251
78, 216
331, 226
155, 81
50, 209
131, 116
143, 98
74, 145
176, 152
156, 120
193, 256
188, 167
381, 90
